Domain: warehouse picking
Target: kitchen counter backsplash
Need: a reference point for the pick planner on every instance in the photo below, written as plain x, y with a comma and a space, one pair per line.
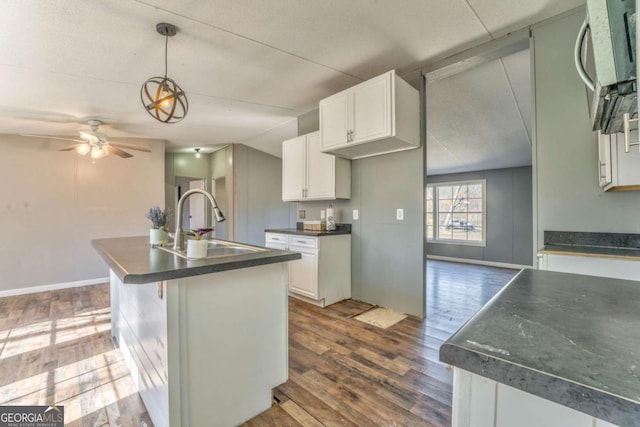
579, 238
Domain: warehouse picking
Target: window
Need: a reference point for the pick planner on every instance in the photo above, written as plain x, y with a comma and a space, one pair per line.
455, 212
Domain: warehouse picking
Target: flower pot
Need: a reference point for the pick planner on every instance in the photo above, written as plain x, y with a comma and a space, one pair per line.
158, 236
197, 249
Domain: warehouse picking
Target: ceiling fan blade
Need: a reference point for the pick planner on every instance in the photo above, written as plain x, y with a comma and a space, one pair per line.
118, 152
130, 146
50, 137
70, 147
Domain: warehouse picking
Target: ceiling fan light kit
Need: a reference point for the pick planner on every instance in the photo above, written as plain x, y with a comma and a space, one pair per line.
162, 97
95, 143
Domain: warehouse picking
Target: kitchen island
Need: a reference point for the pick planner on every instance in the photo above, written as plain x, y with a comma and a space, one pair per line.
205, 340
552, 349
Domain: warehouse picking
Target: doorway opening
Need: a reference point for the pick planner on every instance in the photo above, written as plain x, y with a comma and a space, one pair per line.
478, 125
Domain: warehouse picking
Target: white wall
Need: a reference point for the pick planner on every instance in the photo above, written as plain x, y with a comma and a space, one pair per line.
565, 170
53, 203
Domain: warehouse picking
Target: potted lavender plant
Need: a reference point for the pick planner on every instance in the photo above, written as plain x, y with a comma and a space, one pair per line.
158, 232
196, 247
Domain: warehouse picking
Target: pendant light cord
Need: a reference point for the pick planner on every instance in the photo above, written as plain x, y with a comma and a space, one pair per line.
166, 44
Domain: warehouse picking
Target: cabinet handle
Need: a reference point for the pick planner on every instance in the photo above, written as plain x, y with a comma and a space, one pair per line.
627, 120
601, 164
301, 241
350, 135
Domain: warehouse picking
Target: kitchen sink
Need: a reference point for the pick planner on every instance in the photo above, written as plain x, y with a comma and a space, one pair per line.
216, 249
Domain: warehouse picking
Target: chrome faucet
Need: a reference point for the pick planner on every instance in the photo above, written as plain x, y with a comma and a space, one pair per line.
178, 243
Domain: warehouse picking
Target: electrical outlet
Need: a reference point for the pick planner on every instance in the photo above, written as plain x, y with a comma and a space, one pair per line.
321, 213
355, 214
302, 214
400, 214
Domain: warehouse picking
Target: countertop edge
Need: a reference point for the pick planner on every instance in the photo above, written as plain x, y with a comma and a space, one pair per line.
594, 402
588, 254
138, 279
295, 232
156, 276
111, 262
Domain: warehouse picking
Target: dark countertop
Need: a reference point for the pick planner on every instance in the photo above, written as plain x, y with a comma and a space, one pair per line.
571, 339
602, 245
299, 232
134, 261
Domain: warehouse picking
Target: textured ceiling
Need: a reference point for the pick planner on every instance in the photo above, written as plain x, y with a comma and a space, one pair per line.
249, 67
481, 118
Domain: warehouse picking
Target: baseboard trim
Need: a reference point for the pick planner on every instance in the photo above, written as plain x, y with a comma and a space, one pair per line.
52, 287
479, 262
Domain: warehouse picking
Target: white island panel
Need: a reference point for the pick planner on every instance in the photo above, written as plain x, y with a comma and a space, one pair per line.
207, 349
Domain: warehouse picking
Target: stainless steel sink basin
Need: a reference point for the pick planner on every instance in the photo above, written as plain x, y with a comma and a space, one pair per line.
216, 249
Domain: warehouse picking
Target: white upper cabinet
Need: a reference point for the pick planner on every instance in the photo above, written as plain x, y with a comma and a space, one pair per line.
294, 154
376, 117
617, 169
309, 174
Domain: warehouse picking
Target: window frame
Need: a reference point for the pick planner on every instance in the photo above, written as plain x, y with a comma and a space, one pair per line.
435, 212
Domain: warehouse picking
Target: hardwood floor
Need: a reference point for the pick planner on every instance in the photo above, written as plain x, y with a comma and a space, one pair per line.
343, 372
55, 348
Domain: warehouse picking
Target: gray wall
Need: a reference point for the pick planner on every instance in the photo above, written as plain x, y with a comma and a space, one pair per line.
509, 232
258, 189
565, 155
54, 203
387, 255
183, 165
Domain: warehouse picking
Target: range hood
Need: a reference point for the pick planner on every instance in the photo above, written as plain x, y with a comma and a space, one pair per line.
605, 56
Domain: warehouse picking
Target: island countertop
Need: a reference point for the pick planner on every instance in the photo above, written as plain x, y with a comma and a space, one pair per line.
571, 339
134, 261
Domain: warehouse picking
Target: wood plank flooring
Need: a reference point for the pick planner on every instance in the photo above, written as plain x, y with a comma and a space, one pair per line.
343, 372
55, 348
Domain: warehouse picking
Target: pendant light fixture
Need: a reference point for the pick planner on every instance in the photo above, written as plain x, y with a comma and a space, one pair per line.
197, 150
163, 99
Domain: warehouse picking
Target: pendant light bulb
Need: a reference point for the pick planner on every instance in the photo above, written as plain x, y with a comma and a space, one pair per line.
197, 153
83, 149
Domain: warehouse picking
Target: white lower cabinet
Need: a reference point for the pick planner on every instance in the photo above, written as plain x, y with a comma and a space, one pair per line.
323, 275
303, 273
481, 402
614, 268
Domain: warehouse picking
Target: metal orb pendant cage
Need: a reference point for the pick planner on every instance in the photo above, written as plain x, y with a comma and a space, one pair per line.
163, 99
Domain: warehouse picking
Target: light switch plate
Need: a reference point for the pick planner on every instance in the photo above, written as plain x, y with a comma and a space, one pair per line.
400, 214
355, 214
302, 214
321, 213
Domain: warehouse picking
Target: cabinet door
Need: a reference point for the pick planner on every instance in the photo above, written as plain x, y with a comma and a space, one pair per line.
293, 168
372, 109
320, 170
303, 273
334, 119
604, 159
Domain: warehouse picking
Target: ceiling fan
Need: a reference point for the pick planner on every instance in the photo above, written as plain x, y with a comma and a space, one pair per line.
96, 143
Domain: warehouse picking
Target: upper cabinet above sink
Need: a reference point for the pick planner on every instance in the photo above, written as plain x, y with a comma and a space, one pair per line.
378, 116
